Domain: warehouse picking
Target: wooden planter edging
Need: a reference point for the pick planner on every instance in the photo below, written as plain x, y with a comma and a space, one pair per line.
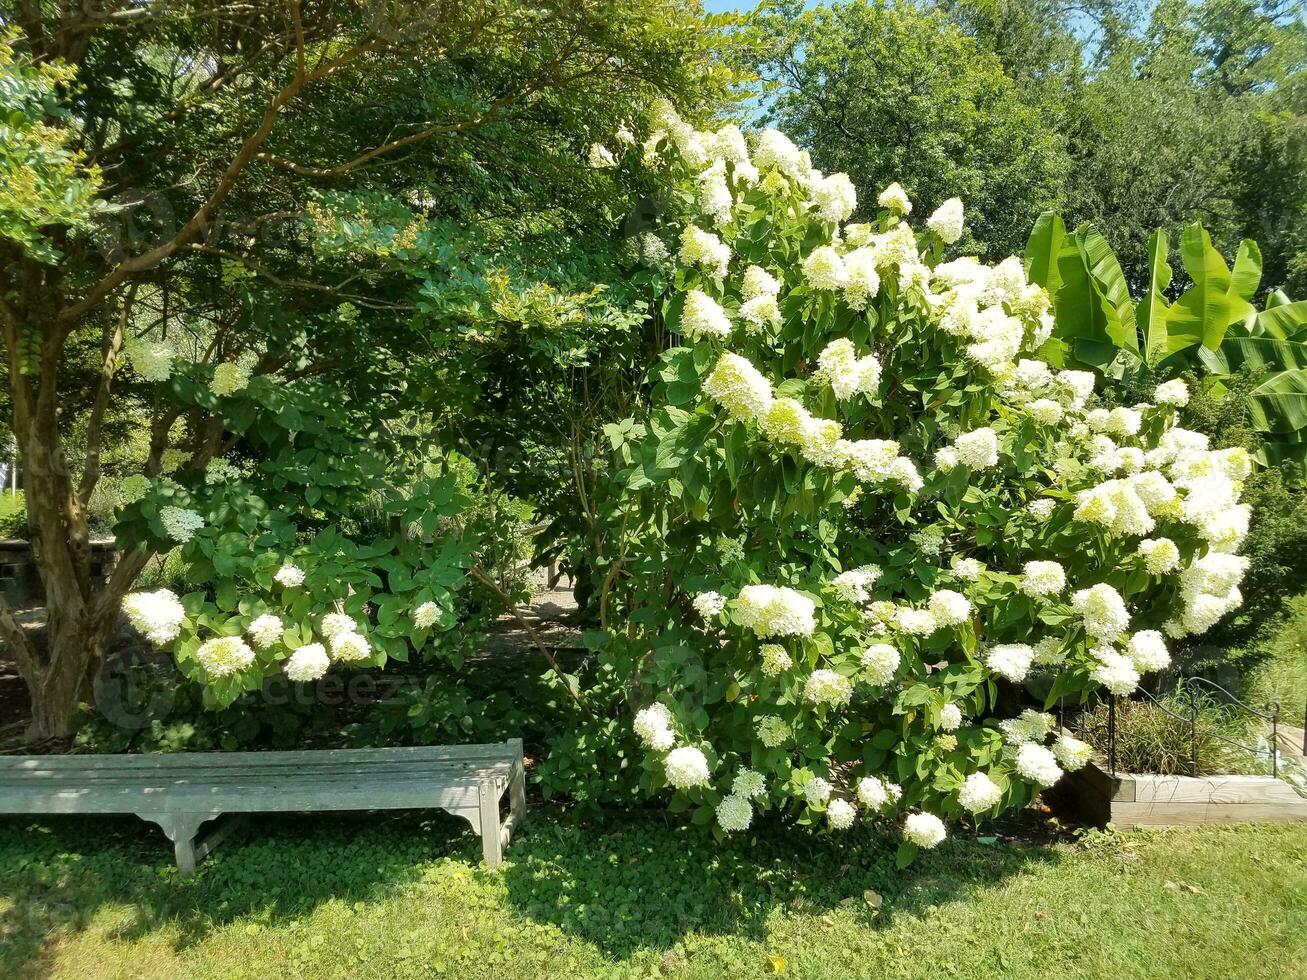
1131, 800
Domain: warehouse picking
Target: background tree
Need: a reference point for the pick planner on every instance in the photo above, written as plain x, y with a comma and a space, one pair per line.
892, 91
180, 192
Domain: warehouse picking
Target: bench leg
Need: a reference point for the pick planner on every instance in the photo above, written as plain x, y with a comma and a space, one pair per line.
517, 795
491, 845
181, 829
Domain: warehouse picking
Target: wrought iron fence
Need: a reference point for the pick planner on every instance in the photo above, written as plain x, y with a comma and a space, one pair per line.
1193, 690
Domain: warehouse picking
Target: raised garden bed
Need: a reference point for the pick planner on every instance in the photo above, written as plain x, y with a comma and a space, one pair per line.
1129, 800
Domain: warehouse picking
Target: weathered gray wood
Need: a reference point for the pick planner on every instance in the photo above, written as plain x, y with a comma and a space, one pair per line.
180, 792
1212, 789
1146, 800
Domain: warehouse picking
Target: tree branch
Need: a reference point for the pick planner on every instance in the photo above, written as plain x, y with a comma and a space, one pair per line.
113, 342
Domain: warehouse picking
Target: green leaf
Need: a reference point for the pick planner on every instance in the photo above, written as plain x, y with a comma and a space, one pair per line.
1283, 320
1042, 251
1256, 353
1208, 308
1280, 403
1153, 308
905, 855
1247, 273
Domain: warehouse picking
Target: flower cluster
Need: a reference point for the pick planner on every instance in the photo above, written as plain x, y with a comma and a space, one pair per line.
155, 615
224, 655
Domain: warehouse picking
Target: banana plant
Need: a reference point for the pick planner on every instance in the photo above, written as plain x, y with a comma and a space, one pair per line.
1212, 327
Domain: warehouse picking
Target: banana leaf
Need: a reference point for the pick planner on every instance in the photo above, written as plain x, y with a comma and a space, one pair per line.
1205, 311
1256, 353
1279, 404
1153, 308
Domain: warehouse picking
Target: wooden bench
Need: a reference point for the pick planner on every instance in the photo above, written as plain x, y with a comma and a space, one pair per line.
180, 792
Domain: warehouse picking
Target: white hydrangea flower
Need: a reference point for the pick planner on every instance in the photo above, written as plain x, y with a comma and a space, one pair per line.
1043, 578
686, 767
291, 576
739, 387
220, 470
734, 813
1124, 421
133, 488
1071, 753
705, 250
924, 829
834, 197
1147, 651
880, 661
653, 726
895, 199
265, 630
715, 199
426, 615
950, 717
1175, 393
1049, 651
773, 149
702, 316
1075, 387
847, 374
827, 687
949, 608
947, 221
152, 360
1113, 671
773, 732
875, 793
307, 663
773, 610
229, 378
1038, 764
816, 791
979, 793
1010, 660
1029, 726
349, 647
1103, 611
1046, 411
824, 269
709, 605
1041, 509
221, 656
967, 569
840, 814
775, 659
977, 449
335, 623
179, 523
852, 586
760, 313
749, 784
915, 622
758, 282
155, 615
862, 280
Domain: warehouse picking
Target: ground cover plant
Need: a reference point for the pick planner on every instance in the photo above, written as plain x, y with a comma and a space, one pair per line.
402, 897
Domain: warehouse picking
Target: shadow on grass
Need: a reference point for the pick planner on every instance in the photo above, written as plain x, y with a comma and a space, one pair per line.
638, 881
644, 881
57, 873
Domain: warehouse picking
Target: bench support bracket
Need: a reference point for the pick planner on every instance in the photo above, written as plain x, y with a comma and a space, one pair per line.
182, 828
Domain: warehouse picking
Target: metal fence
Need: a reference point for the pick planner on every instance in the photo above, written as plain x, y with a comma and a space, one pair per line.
1194, 691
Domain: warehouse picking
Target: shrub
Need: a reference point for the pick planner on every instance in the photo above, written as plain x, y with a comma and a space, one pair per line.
862, 510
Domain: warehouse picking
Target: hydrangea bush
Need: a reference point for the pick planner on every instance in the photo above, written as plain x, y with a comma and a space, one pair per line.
865, 511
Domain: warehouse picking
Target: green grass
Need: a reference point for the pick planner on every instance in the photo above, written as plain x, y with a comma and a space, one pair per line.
403, 896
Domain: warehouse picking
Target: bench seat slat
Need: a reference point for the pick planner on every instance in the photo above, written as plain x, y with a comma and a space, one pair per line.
204, 760
448, 770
